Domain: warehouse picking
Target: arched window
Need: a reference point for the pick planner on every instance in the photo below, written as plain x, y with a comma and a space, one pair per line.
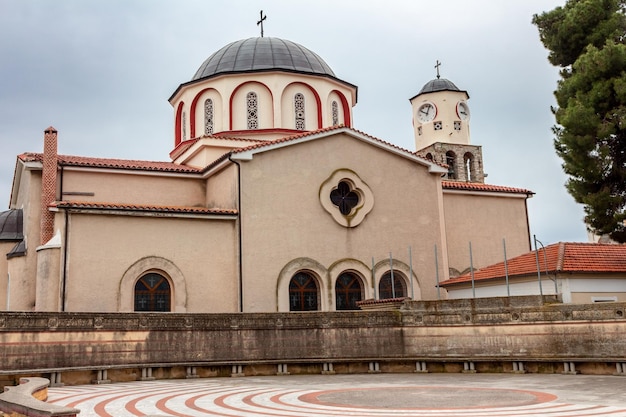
253, 110
450, 160
348, 290
429, 156
298, 104
388, 288
208, 116
303, 292
335, 112
152, 293
468, 162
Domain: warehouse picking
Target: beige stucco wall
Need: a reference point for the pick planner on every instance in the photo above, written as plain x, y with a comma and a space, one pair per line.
484, 220
283, 220
23, 270
103, 248
5, 247
133, 188
221, 188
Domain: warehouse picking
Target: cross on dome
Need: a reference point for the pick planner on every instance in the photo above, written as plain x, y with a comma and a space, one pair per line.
260, 22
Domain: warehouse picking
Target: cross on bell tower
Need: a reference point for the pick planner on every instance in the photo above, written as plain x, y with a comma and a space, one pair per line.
437, 65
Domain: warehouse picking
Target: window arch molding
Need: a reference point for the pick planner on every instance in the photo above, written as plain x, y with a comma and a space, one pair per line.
292, 268
313, 104
356, 267
238, 103
162, 266
197, 112
345, 108
382, 267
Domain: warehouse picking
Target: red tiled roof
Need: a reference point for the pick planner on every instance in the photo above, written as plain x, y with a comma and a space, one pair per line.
563, 257
138, 207
475, 186
84, 161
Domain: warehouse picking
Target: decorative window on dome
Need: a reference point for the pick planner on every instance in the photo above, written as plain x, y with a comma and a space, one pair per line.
253, 111
184, 126
334, 107
298, 104
208, 116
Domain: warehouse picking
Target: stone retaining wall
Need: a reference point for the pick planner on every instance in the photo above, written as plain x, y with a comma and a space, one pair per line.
501, 330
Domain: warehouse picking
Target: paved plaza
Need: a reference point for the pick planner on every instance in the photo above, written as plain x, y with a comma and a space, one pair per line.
363, 395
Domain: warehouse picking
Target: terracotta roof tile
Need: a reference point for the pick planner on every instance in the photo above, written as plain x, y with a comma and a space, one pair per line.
138, 207
83, 161
563, 257
476, 186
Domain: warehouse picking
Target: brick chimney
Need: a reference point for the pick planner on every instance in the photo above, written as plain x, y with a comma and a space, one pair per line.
48, 183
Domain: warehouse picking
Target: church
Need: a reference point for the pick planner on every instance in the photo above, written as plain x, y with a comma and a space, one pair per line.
271, 200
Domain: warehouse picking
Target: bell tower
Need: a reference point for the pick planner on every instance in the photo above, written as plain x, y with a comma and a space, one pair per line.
441, 125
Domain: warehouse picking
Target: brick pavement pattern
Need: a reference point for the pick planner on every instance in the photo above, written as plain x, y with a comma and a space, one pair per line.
381, 395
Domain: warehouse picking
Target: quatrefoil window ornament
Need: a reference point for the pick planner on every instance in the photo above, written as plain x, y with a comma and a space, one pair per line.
344, 198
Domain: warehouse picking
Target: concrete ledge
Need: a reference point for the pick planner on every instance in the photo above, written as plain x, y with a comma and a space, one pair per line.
28, 399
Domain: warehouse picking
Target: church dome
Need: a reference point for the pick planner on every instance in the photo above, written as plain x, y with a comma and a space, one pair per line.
263, 54
438, 84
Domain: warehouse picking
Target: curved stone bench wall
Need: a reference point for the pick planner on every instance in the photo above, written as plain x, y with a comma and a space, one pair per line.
446, 336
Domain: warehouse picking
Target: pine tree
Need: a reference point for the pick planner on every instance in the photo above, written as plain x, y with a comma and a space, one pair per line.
587, 40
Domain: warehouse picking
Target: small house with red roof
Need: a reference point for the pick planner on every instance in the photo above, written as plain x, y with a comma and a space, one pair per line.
270, 200
580, 272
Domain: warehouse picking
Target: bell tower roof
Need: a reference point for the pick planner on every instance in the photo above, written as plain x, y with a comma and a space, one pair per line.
439, 84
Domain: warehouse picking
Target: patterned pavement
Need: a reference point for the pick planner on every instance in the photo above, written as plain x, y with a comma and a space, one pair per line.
380, 395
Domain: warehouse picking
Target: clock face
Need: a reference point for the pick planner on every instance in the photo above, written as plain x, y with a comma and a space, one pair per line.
462, 110
426, 112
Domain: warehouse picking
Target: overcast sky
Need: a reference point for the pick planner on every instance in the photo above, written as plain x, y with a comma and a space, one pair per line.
101, 73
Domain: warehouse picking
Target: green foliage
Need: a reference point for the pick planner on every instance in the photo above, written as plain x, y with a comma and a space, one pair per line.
586, 38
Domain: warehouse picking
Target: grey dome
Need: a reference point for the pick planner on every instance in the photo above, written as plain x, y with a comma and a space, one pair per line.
263, 54
438, 84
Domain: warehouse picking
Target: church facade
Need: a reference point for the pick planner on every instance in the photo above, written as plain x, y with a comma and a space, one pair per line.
271, 201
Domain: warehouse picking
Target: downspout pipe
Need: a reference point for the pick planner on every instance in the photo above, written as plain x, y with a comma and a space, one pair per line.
66, 229
239, 231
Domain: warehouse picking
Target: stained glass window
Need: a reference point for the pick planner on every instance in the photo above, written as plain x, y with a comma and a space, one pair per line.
348, 290
391, 289
208, 116
335, 113
344, 198
253, 110
303, 292
298, 103
152, 293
